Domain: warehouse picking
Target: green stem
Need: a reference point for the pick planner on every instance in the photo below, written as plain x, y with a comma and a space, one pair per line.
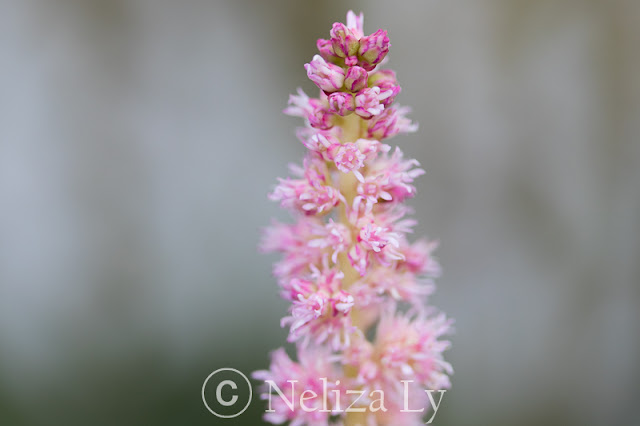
351, 131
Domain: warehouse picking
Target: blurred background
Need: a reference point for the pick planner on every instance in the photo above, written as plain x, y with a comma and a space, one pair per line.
138, 141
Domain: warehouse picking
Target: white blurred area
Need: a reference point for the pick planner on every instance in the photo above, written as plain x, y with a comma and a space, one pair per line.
138, 140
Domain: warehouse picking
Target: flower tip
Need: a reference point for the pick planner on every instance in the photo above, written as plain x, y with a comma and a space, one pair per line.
355, 23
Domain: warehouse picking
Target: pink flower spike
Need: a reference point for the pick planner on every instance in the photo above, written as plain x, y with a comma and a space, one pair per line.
355, 79
347, 261
373, 49
368, 102
326, 76
342, 103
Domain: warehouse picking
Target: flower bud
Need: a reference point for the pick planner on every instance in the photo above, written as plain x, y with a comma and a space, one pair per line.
326, 76
371, 147
342, 103
373, 49
392, 121
383, 126
388, 94
326, 50
355, 79
318, 141
382, 77
321, 118
386, 81
344, 42
368, 102
351, 60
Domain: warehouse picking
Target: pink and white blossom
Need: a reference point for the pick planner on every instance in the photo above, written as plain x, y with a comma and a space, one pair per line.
326, 50
373, 49
312, 194
370, 101
344, 42
320, 308
371, 147
317, 141
325, 75
385, 80
390, 179
314, 111
390, 122
314, 365
342, 103
348, 158
355, 79
335, 235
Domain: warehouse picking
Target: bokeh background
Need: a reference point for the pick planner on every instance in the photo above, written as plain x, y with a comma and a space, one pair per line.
138, 141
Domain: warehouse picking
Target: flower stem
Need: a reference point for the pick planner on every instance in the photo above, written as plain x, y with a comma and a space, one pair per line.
355, 419
351, 131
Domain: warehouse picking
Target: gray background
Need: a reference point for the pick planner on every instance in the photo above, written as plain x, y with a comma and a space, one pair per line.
138, 141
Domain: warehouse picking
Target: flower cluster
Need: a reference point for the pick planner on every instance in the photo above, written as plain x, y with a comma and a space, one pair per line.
348, 267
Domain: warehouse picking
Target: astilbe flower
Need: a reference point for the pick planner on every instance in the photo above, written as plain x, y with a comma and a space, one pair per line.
347, 266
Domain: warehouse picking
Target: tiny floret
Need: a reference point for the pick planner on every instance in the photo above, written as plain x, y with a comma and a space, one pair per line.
355, 79
342, 103
369, 102
326, 76
373, 49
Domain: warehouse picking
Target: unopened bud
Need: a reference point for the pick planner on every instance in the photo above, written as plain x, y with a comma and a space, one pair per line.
355, 79
344, 42
342, 103
326, 76
373, 49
